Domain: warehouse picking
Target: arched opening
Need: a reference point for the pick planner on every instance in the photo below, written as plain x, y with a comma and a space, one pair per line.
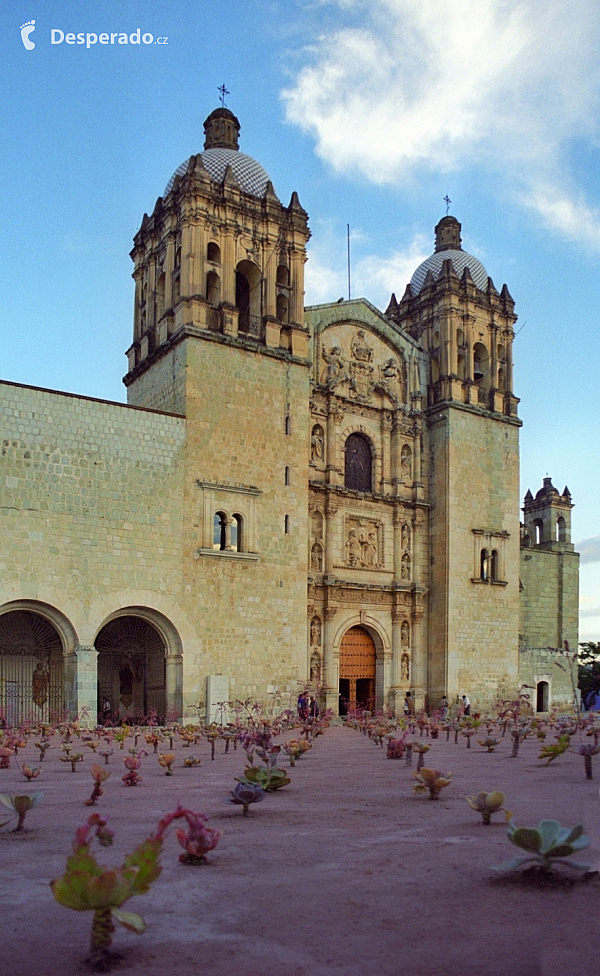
541, 696
358, 464
484, 567
501, 380
213, 252
159, 298
282, 308
538, 526
237, 533
131, 671
494, 574
357, 671
248, 299
561, 529
481, 369
213, 288
283, 275
219, 530
31, 669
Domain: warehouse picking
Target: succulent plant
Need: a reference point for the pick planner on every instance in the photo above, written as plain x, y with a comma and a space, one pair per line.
246, 794
166, 760
547, 845
191, 761
421, 748
132, 764
587, 750
488, 803
20, 803
295, 749
86, 886
270, 778
199, 838
99, 776
432, 780
553, 752
489, 743
73, 758
30, 772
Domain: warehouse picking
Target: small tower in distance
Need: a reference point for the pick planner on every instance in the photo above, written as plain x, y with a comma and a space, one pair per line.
547, 518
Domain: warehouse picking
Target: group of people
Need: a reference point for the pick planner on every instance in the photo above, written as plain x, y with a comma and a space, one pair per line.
465, 706
307, 706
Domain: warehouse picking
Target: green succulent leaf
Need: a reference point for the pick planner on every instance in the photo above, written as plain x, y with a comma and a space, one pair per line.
550, 833
145, 860
526, 837
513, 865
131, 921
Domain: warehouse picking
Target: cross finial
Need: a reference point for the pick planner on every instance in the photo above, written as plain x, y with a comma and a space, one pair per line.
224, 92
447, 201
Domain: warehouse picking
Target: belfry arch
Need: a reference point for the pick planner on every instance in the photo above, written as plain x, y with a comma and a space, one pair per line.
140, 667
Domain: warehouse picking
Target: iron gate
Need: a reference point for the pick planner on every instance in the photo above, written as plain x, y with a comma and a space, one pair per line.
31, 669
131, 670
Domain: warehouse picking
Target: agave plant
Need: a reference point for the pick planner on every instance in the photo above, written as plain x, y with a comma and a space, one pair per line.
19, 803
86, 886
431, 780
547, 845
488, 803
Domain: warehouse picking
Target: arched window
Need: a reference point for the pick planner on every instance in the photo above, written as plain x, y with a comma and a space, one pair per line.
282, 308
358, 467
220, 530
480, 364
494, 565
484, 565
287, 424
247, 298
539, 531
213, 253
283, 275
237, 533
213, 288
561, 529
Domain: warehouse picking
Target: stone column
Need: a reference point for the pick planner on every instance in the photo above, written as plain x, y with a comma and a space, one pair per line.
85, 688
137, 326
184, 273
296, 311
169, 265
174, 686
397, 520
396, 696
330, 513
395, 448
331, 667
418, 680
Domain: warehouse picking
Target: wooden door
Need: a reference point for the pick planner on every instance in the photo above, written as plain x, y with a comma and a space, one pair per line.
357, 670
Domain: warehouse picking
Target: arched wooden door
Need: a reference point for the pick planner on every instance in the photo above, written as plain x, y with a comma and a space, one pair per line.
357, 671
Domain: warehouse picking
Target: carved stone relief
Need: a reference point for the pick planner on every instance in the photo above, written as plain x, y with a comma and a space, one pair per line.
363, 543
405, 536
316, 557
315, 667
315, 632
405, 633
317, 443
405, 567
405, 667
406, 462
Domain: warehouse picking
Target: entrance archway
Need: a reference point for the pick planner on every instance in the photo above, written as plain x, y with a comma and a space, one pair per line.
31, 669
357, 671
131, 670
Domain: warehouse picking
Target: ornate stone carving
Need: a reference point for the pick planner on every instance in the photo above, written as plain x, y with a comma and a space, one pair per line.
315, 632
405, 567
405, 667
406, 462
317, 443
315, 667
363, 543
405, 633
405, 536
336, 367
316, 557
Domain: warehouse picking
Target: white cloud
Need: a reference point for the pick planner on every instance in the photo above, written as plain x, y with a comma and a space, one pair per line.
589, 549
413, 84
372, 277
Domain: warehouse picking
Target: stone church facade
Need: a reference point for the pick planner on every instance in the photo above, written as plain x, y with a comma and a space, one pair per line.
325, 495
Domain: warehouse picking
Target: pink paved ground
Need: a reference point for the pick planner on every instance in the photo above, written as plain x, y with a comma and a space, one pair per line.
343, 873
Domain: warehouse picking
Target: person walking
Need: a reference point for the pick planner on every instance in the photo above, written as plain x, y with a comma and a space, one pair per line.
443, 708
466, 706
409, 705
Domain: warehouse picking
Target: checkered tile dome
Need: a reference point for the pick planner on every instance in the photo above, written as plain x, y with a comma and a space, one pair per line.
460, 261
250, 175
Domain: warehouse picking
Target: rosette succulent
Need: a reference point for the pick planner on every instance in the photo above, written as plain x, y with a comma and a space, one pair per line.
546, 845
245, 794
432, 780
488, 803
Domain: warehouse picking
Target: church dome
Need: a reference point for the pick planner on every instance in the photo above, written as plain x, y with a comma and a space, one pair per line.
221, 150
447, 247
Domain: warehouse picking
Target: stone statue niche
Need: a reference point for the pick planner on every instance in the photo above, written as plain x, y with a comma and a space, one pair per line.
406, 463
315, 667
315, 632
316, 557
317, 444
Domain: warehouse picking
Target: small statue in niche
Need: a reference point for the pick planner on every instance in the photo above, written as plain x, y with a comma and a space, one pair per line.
370, 557
336, 368
405, 633
361, 350
317, 443
315, 668
40, 680
315, 632
404, 667
405, 536
353, 549
405, 569
405, 465
316, 558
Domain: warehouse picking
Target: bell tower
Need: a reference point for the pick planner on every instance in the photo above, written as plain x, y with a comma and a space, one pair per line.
466, 327
219, 340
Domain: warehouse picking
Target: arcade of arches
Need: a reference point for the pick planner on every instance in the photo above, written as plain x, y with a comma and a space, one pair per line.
128, 674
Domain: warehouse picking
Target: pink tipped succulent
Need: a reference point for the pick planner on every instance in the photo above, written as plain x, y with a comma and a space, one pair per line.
132, 764
99, 776
30, 772
197, 840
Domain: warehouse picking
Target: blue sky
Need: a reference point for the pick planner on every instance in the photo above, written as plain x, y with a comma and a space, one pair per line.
373, 110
